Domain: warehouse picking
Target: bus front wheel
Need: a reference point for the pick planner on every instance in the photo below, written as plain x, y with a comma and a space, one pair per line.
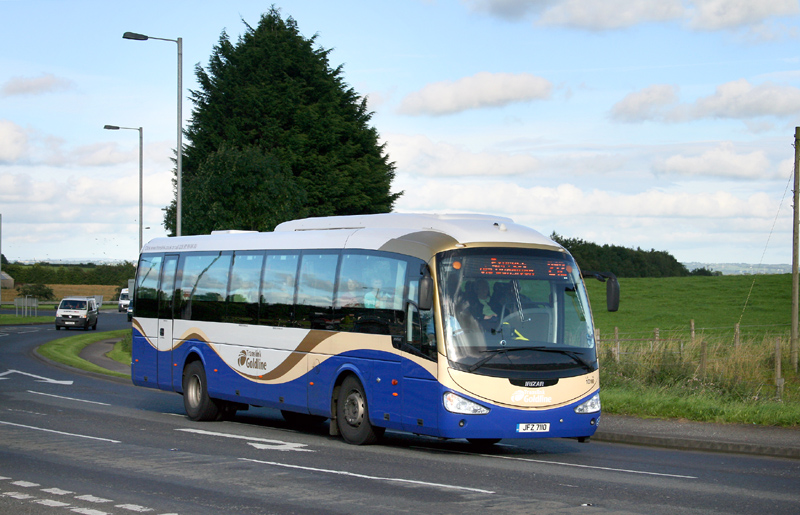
198, 405
352, 414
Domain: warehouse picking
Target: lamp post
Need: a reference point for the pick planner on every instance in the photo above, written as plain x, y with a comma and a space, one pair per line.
116, 128
141, 37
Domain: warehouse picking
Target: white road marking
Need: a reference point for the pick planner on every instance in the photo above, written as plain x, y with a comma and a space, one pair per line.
56, 491
89, 511
280, 446
69, 398
51, 503
374, 478
59, 432
18, 495
576, 465
258, 443
134, 507
38, 378
24, 484
92, 498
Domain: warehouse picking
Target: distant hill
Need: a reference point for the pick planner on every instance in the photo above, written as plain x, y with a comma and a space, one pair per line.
740, 268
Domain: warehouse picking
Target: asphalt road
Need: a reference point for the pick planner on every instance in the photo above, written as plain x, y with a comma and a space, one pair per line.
71, 441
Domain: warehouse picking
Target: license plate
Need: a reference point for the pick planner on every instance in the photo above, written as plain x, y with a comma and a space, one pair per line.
536, 427
69, 323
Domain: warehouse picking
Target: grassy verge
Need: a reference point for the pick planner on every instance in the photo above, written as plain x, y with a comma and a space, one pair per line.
67, 350
122, 349
6, 319
703, 407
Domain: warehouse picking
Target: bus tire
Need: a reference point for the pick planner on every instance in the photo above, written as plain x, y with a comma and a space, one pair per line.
198, 405
352, 414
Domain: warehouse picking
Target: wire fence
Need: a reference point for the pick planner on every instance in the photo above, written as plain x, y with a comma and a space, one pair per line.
749, 362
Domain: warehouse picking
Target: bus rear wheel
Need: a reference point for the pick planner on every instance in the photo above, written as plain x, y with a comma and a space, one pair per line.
198, 405
352, 414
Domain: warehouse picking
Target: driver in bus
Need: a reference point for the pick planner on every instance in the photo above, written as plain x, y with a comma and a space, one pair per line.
478, 298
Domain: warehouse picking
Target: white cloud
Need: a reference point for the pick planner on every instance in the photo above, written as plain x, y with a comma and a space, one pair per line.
13, 142
418, 155
509, 9
706, 15
46, 83
726, 14
740, 99
102, 154
481, 90
568, 201
737, 99
610, 14
647, 104
722, 161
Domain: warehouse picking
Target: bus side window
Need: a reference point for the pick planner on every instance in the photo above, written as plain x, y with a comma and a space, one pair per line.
278, 289
242, 298
314, 306
204, 283
370, 294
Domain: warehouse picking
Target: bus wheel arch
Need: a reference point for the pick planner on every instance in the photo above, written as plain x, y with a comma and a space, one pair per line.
352, 412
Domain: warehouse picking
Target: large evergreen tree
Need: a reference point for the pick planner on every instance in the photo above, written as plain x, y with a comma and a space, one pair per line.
274, 94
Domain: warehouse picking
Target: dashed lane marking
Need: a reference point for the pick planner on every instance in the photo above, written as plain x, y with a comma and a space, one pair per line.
59, 432
374, 478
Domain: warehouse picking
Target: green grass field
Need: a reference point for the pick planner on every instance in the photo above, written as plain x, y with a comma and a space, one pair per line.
714, 303
709, 378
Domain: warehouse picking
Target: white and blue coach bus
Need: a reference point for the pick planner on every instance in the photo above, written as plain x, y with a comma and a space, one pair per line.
454, 326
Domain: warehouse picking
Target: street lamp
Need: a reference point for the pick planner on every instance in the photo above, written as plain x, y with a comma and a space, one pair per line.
141, 37
116, 128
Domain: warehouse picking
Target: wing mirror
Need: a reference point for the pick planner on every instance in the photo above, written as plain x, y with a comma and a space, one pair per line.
612, 287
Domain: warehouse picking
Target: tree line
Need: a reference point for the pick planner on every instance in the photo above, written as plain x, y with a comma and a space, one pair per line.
625, 262
88, 273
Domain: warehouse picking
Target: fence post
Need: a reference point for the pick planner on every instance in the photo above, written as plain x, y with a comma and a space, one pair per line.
736, 335
779, 381
654, 341
691, 328
616, 343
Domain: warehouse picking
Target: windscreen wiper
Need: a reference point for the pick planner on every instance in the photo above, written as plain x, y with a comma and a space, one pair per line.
495, 352
572, 354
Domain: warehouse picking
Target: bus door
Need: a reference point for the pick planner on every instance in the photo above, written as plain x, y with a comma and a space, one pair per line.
166, 295
144, 352
421, 392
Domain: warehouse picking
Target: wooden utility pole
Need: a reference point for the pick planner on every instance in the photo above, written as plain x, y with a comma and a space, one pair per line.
795, 239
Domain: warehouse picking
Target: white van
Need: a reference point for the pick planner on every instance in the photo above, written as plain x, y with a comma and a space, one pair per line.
124, 300
77, 312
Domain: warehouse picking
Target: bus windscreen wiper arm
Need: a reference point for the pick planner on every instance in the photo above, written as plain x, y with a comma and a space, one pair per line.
572, 354
494, 352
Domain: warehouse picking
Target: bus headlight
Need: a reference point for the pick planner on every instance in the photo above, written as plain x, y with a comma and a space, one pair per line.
457, 404
592, 405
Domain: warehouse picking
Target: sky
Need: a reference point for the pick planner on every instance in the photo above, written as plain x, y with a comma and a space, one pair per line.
653, 124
